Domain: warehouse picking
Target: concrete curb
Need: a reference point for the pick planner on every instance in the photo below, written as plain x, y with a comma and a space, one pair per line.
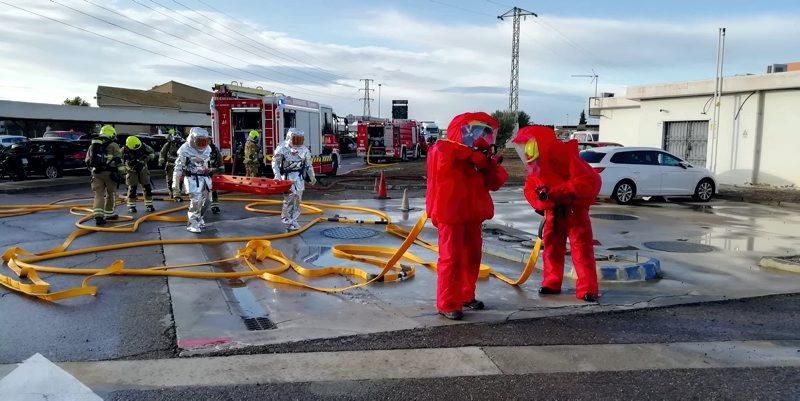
780, 264
44, 185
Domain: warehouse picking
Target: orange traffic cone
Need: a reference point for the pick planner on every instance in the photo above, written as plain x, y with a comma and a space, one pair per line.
381, 192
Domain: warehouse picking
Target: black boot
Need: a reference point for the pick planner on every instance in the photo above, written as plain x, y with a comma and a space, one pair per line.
475, 305
99, 221
177, 199
131, 209
215, 209
150, 208
457, 315
591, 297
548, 291
112, 217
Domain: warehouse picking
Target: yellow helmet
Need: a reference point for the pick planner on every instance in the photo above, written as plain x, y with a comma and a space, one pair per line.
531, 150
133, 142
253, 135
171, 132
108, 132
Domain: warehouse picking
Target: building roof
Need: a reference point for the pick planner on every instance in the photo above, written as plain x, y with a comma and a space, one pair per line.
170, 95
730, 85
111, 115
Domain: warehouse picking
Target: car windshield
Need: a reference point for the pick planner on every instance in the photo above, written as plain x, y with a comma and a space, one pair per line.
591, 156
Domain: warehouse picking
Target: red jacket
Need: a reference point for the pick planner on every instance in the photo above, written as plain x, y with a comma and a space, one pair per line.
460, 178
569, 180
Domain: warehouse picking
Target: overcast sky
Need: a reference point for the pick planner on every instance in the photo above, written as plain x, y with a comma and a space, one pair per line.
444, 56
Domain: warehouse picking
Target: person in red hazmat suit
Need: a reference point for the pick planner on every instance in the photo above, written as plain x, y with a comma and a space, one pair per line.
462, 169
561, 186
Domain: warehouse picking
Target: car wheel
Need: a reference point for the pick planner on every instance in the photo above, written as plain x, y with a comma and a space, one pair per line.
624, 192
704, 190
52, 171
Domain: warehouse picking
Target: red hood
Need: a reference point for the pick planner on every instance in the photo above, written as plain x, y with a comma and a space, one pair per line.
554, 155
454, 129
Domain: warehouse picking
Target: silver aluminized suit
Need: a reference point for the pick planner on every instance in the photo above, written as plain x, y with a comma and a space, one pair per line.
289, 163
192, 167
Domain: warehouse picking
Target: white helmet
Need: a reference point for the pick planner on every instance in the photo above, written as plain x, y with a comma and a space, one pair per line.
199, 138
295, 138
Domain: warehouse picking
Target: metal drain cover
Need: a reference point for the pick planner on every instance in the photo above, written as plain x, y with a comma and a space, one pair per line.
347, 232
678, 247
258, 323
611, 216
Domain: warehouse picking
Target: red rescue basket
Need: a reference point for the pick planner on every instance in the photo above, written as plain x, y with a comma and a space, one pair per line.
250, 185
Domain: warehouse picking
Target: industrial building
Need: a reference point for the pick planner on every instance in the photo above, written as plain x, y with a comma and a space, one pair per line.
758, 138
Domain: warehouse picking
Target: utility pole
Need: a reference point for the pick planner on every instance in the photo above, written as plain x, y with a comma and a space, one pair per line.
717, 98
367, 98
379, 99
513, 93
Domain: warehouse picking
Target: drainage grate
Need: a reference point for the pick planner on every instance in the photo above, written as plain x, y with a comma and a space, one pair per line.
611, 216
624, 248
678, 247
258, 323
346, 232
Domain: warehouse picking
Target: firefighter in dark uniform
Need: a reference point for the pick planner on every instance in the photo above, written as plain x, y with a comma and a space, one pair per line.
136, 155
216, 168
166, 158
251, 150
104, 160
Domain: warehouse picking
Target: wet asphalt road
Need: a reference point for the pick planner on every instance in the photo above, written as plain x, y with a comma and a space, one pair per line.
696, 384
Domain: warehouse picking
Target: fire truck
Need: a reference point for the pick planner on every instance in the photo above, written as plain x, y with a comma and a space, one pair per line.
236, 110
400, 139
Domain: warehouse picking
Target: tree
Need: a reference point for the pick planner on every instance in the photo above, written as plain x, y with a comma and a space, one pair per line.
76, 101
524, 119
506, 121
582, 121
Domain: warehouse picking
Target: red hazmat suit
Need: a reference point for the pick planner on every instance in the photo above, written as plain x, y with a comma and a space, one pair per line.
458, 201
563, 186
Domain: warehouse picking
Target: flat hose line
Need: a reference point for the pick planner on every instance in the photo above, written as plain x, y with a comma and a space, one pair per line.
396, 264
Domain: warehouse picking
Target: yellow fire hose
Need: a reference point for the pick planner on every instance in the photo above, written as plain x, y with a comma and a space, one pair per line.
255, 254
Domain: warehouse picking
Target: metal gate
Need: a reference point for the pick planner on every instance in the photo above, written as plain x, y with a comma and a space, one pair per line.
687, 140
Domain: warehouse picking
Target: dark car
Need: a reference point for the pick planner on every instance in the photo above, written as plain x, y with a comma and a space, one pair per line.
69, 135
155, 142
51, 157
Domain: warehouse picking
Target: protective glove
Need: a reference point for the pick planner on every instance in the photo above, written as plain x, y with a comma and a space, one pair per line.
479, 159
313, 180
176, 185
162, 162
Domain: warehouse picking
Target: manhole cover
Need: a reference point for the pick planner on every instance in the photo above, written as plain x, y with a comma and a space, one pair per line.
624, 248
678, 247
345, 232
611, 216
258, 323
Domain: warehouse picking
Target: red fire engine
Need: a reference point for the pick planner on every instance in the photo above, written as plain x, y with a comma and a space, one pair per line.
400, 139
236, 110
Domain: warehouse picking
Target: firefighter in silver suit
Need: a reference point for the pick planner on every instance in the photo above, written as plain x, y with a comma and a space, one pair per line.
292, 161
193, 169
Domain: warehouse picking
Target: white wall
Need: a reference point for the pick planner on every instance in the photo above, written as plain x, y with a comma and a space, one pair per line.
780, 158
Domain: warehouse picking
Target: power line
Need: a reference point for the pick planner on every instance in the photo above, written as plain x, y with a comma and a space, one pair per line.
322, 69
234, 38
117, 40
461, 8
194, 43
588, 54
167, 44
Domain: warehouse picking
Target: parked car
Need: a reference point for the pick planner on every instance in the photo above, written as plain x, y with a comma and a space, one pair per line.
51, 157
591, 145
70, 135
629, 172
14, 161
584, 136
7, 140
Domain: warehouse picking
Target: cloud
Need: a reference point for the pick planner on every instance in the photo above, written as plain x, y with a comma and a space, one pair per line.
442, 68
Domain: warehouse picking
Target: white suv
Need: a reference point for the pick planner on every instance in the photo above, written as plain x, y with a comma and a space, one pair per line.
629, 172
